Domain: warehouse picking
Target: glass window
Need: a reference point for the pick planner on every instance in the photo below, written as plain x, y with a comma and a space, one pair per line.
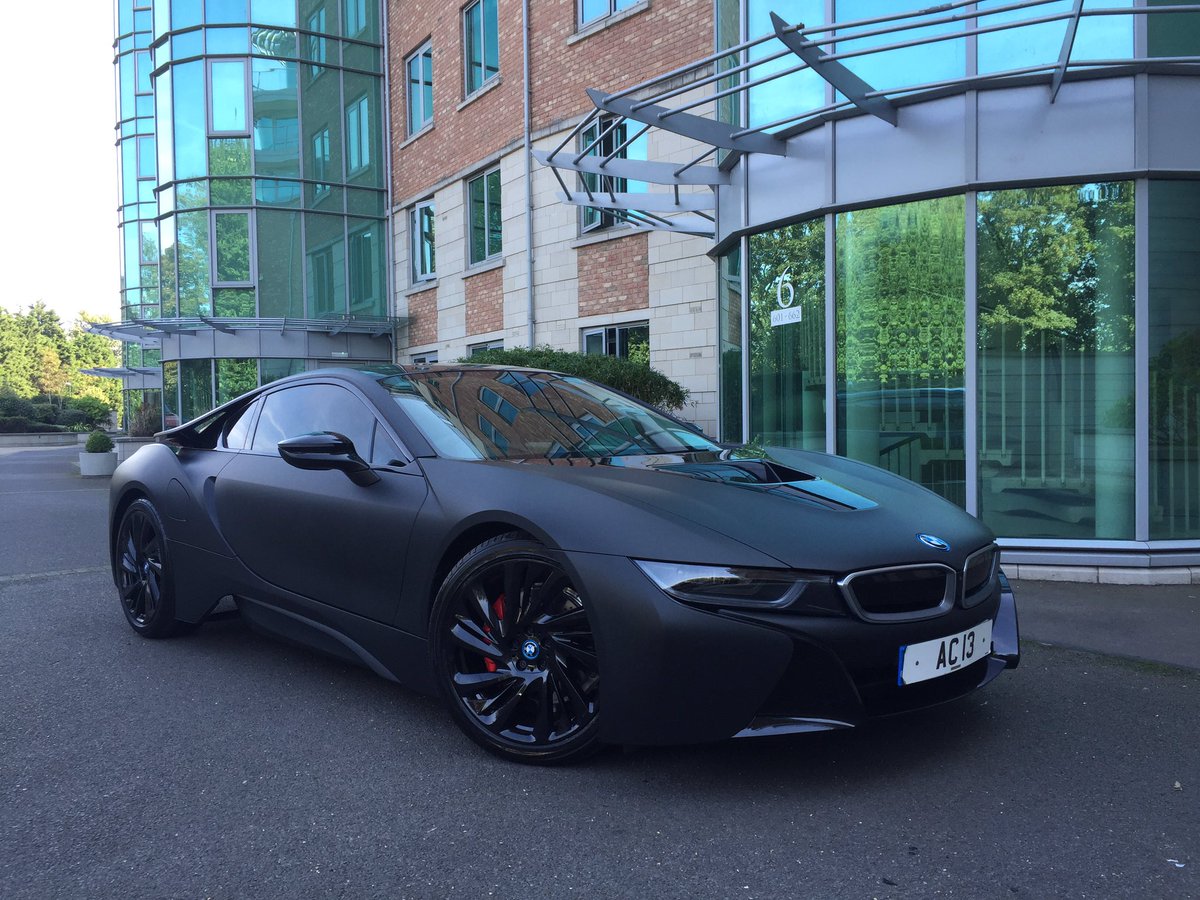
320, 163
605, 138
1056, 363
325, 273
592, 10
623, 341
787, 336
170, 395
421, 221
384, 450
274, 369
224, 10
552, 416
483, 208
905, 66
231, 248
280, 261
1173, 34
355, 16
237, 432
227, 113
194, 272
482, 44
144, 67
233, 303
366, 270
1174, 359
419, 82
195, 387
146, 155
901, 341
358, 135
317, 46
476, 349
729, 324
273, 12
790, 94
1098, 37
190, 139
310, 409
276, 119
424, 359
235, 377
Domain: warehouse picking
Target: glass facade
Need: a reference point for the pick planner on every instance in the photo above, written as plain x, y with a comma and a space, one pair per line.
1049, 386
262, 194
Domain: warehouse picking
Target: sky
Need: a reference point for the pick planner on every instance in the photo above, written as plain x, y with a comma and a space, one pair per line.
58, 240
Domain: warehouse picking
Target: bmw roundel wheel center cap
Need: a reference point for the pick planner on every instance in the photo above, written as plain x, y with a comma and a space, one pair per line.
530, 649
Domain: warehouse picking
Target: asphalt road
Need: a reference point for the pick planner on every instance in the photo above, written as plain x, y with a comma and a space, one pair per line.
223, 764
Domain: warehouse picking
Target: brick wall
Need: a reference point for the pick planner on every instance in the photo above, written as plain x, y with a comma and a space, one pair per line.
423, 319
647, 40
614, 276
485, 302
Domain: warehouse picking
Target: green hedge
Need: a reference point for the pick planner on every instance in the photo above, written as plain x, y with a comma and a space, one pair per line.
633, 378
22, 425
98, 442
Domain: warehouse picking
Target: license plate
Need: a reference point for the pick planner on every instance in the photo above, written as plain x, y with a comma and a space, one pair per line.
941, 656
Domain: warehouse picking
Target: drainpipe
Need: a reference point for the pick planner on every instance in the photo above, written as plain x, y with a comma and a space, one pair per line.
528, 147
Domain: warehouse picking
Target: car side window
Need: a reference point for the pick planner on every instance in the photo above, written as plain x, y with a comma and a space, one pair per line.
310, 408
238, 430
385, 449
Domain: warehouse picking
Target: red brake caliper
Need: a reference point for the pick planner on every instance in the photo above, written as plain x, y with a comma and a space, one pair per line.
498, 609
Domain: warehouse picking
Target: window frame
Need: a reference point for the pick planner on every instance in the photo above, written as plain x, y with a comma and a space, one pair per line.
360, 11
592, 219
497, 344
247, 99
411, 94
321, 187
416, 241
613, 9
361, 106
356, 270
317, 41
482, 177
616, 327
486, 80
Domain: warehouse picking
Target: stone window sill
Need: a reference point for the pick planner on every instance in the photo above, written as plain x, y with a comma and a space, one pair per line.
496, 81
607, 22
486, 266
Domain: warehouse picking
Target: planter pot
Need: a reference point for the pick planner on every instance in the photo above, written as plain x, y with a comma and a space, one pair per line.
127, 446
97, 465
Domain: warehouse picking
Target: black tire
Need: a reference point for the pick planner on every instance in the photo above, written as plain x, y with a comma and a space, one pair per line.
520, 677
142, 570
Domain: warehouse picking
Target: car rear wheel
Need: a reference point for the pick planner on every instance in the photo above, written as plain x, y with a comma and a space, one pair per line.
143, 574
514, 654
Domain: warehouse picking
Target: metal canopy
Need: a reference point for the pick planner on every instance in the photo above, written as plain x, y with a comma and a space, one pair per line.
149, 332
674, 101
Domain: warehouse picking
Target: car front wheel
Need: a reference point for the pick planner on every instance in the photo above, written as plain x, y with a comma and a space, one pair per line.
514, 654
143, 573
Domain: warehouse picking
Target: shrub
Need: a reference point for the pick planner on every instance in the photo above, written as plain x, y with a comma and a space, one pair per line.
72, 418
634, 378
97, 410
45, 412
13, 406
98, 442
44, 428
14, 425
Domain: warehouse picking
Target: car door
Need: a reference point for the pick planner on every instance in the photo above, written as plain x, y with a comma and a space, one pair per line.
316, 533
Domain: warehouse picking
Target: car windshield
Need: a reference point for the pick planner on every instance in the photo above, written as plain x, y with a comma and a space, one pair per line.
489, 414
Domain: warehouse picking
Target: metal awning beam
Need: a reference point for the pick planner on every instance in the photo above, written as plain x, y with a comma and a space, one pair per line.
1064, 55
706, 131
659, 203
641, 170
855, 89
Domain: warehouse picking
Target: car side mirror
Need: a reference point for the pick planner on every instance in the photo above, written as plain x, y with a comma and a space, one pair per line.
327, 450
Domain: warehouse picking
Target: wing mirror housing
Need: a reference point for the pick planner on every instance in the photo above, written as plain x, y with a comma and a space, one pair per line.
327, 450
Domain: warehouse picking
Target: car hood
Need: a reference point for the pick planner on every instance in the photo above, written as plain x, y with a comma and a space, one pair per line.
805, 509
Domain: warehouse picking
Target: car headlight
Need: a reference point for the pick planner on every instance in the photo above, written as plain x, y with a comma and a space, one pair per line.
729, 586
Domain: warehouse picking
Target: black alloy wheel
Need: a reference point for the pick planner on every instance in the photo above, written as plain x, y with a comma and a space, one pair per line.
142, 574
514, 653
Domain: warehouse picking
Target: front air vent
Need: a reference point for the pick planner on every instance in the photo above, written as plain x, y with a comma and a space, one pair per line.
901, 593
979, 574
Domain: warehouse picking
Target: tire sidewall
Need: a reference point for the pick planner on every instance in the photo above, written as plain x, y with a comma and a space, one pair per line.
162, 622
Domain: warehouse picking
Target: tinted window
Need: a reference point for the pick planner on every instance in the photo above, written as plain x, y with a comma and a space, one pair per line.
239, 429
311, 408
385, 449
533, 415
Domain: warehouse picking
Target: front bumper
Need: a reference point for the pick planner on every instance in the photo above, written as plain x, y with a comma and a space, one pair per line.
676, 674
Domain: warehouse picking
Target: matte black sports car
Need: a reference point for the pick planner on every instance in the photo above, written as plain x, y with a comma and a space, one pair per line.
564, 565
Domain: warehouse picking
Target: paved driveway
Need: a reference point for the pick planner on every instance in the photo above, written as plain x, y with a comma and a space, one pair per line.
227, 765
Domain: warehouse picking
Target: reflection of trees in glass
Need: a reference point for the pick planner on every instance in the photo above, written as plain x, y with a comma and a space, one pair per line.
193, 272
1057, 261
900, 292
235, 377
787, 361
